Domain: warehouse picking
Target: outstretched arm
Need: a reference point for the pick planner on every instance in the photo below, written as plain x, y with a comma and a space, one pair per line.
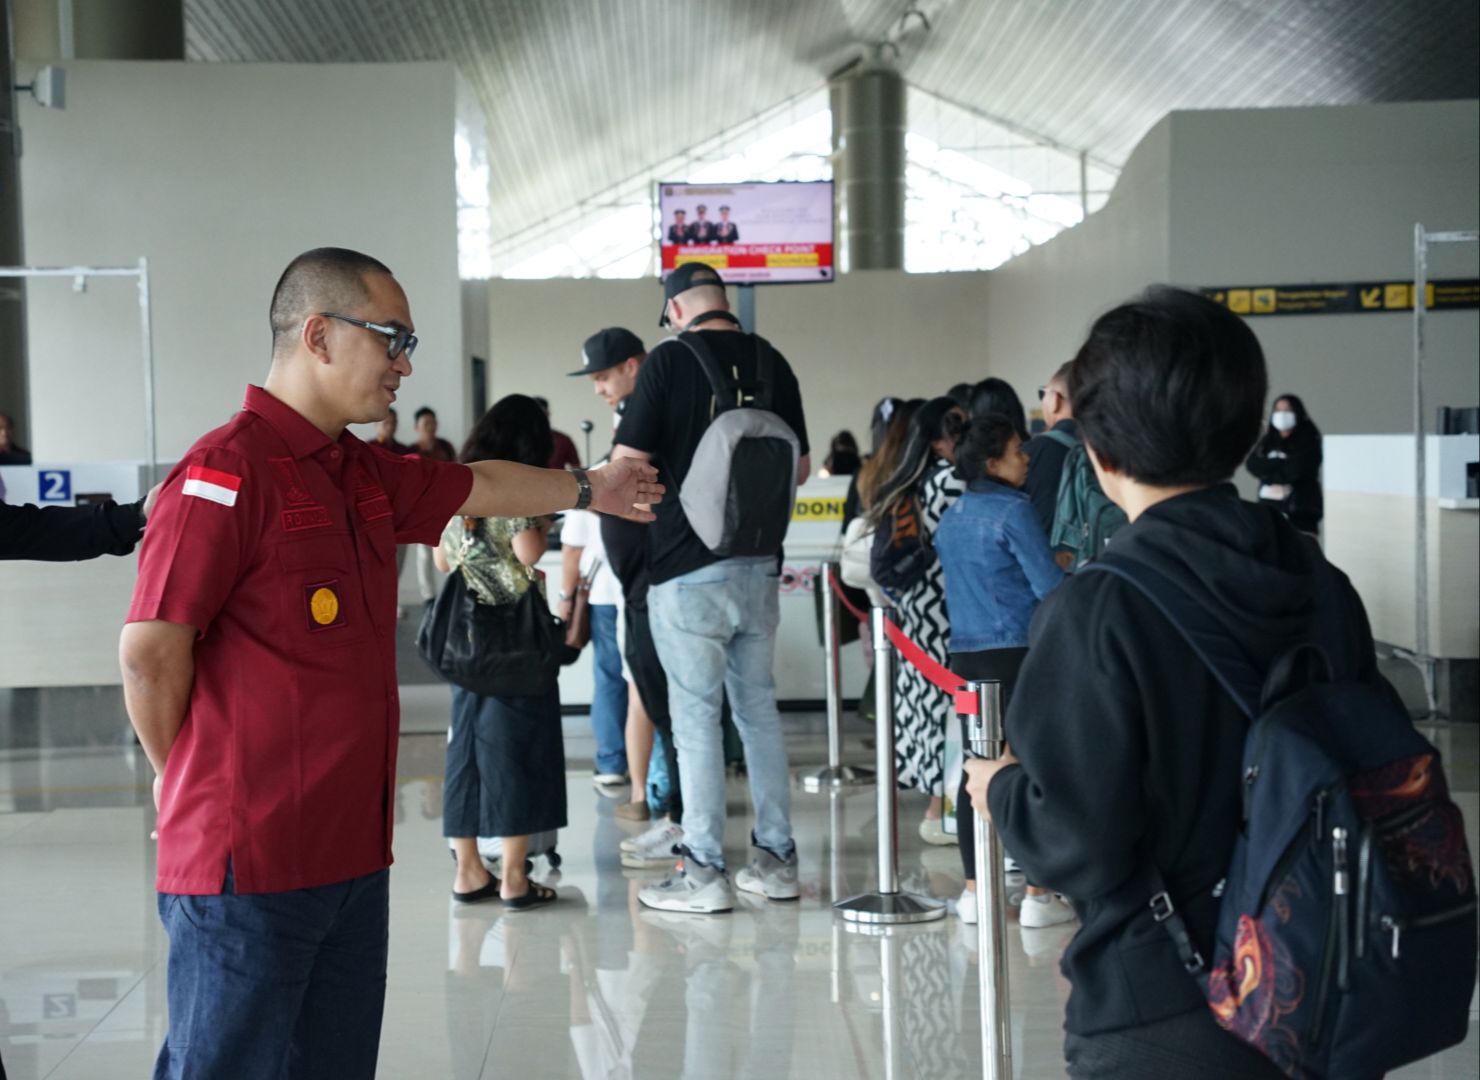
508, 489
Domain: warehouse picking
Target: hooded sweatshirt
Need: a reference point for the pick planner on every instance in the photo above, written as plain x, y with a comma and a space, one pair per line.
1130, 751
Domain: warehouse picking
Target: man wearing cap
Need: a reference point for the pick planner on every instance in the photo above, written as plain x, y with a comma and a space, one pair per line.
678, 232
612, 360
714, 620
702, 230
725, 230
259, 672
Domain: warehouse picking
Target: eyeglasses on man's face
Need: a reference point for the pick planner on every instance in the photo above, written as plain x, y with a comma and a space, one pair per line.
399, 339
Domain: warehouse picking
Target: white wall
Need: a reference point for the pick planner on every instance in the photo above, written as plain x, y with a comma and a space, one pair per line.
1274, 196
1039, 306
220, 174
1284, 196
851, 342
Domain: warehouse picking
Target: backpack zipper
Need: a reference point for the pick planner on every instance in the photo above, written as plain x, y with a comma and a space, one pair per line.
1364, 887
1341, 881
1308, 837
1397, 924
1334, 939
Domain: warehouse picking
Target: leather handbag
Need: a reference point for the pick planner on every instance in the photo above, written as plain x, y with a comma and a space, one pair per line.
578, 629
498, 650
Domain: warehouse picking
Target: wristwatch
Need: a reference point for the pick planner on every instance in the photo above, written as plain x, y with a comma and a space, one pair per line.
583, 500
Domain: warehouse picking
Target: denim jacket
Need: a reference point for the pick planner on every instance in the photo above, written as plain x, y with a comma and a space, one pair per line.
998, 567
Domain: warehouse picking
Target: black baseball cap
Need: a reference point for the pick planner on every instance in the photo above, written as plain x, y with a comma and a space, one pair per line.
690, 275
608, 348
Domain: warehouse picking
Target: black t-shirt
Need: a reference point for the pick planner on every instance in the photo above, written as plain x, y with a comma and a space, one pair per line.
666, 416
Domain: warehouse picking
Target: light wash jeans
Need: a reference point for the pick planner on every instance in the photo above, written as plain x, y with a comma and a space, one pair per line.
715, 630
608, 692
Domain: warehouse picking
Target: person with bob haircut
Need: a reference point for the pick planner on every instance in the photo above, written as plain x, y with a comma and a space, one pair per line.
1125, 752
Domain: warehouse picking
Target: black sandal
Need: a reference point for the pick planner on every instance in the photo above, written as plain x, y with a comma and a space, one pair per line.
535, 896
488, 892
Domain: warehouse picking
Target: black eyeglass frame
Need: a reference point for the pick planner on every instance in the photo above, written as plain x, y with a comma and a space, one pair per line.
400, 340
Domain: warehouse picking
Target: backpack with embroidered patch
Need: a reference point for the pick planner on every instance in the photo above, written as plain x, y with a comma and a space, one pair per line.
1346, 934
741, 487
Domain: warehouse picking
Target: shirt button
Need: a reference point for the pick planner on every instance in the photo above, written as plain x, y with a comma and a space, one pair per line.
334, 454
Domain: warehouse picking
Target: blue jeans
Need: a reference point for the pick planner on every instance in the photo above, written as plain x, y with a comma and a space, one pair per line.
715, 630
288, 984
609, 691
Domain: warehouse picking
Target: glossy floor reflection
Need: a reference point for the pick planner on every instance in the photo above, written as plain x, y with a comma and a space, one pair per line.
594, 988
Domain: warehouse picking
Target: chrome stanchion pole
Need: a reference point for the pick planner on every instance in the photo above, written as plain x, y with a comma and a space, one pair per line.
836, 774
985, 739
887, 905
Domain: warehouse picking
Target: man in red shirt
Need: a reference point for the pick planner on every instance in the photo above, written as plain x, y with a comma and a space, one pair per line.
259, 673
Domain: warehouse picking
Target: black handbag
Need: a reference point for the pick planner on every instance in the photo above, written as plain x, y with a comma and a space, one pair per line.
498, 650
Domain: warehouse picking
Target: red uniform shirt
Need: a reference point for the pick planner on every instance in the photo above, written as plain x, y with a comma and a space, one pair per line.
278, 545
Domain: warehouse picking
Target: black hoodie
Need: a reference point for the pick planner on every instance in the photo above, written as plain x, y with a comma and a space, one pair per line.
1131, 752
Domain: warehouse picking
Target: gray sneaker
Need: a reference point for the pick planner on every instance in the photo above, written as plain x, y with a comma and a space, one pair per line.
694, 889
768, 876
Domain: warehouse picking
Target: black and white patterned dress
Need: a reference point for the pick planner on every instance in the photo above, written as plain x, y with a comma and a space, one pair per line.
921, 712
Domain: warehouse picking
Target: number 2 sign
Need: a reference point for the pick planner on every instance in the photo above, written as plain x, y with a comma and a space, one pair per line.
54, 485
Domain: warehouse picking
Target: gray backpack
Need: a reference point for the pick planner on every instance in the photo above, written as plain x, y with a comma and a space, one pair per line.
741, 487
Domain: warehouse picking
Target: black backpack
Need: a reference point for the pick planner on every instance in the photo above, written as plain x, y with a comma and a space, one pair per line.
1347, 925
741, 487
902, 554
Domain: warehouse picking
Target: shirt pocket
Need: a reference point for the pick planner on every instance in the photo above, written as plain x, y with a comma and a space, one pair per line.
320, 594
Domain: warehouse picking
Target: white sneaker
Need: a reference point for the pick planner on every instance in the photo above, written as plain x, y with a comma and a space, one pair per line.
694, 889
656, 847
966, 907
933, 832
632, 843
1049, 910
768, 876
606, 781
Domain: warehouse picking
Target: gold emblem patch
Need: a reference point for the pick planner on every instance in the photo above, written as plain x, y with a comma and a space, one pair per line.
324, 606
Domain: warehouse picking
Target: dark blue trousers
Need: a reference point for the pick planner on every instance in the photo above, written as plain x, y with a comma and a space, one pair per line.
288, 984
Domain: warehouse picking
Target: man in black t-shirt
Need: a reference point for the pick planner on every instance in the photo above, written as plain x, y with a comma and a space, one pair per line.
713, 620
1046, 452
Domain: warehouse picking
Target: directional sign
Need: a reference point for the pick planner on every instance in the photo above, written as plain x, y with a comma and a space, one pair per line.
1362, 297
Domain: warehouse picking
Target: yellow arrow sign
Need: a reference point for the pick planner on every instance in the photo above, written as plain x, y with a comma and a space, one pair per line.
1372, 298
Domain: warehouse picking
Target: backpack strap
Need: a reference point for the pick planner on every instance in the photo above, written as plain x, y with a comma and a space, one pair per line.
725, 389
1063, 438
730, 392
1220, 654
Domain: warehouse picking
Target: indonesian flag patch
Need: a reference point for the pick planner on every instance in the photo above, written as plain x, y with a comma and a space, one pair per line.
212, 484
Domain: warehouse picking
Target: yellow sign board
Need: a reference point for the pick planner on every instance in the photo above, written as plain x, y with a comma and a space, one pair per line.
1344, 298
818, 509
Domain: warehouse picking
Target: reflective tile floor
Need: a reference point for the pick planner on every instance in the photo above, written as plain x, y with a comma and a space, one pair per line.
593, 988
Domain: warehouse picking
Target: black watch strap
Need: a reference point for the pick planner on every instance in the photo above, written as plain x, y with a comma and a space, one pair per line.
583, 500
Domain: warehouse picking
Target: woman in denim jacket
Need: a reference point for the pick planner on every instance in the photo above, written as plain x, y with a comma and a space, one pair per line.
998, 566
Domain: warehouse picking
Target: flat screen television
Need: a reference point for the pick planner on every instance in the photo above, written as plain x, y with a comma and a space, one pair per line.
753, 233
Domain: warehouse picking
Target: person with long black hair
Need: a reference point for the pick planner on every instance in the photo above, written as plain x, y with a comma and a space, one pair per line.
924, 473
1287, 463
994, 395
505, 755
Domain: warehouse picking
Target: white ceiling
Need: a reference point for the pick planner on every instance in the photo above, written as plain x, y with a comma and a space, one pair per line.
581, 93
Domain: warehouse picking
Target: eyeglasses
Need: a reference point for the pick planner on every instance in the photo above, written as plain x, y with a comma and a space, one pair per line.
400, 340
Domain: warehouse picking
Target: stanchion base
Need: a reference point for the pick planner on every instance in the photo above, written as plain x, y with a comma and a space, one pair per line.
890, 908
841, 776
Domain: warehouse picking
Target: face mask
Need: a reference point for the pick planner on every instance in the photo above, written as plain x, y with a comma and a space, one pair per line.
1283, 420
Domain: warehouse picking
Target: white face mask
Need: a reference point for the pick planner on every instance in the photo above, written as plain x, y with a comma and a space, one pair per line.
1283, 420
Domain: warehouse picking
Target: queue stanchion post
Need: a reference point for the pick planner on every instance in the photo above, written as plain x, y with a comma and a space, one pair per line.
835, 774
887, 905
985, 739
